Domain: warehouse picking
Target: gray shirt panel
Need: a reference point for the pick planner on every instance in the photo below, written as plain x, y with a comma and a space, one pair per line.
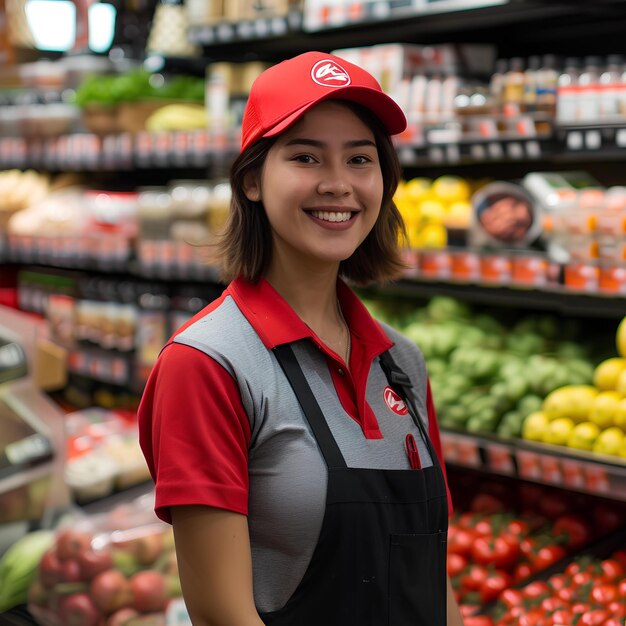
287, 474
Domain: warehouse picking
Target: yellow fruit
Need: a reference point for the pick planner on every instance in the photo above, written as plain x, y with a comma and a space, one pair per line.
573, 401
459, 214
606, 374
558, 431
609, 441
619, 418
620, 338
583, 436
433, 236
534, 426
604, 408
417, 188
432, 210
451, 189
621, 384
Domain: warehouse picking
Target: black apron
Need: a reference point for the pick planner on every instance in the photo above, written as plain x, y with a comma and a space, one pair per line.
380, 559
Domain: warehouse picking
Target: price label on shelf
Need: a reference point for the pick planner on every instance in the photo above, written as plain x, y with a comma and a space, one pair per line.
575, 140
528, 465
593, 140
620, 138
462, 450
245, 30
500, 459
573, 474
551, 469
596, 478
225, 32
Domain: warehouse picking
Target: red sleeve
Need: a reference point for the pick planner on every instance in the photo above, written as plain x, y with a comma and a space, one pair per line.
194, 433
433, 431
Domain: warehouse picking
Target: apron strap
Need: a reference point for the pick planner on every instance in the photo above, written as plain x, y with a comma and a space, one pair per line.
314, 416
401, 383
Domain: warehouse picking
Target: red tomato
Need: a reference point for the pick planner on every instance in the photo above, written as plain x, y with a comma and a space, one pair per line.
558, 581
460, 541
562, 617
595, 617
579, 608
617, 608
511, 598
567, 594
536, 589
456, 564
533, 618
477, 620
552, 603
621, 588
484, 527
523, 571
607, 517
581, 579
474, 578
502, 551
528, 547
548, 555
495, 584
574, 528
620, 555
613, 621
555, 505
603, 594
613, 570
517, 527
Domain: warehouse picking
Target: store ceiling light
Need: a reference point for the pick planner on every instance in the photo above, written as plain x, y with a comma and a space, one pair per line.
52, 24
101, 26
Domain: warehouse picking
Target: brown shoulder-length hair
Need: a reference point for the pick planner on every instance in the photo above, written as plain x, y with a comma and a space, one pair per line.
245, 247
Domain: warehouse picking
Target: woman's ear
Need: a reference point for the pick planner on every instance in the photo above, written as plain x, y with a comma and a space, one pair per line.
252, 186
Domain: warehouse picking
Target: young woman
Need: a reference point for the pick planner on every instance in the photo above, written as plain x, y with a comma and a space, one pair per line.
291, 437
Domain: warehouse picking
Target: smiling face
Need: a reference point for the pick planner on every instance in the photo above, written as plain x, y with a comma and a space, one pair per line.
321, 187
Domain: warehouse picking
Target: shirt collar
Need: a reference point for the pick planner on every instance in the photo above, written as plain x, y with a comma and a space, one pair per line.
276, 323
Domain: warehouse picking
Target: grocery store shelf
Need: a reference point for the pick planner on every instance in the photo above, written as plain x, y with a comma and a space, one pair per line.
513, 25
536, 462
559, 300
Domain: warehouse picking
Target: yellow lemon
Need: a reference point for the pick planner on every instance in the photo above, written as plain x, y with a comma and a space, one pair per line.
459, 214
606, 374
620, 338
621, 384
619, 417
573, 401
604, 408
433, 236
534, 426
417, 188
432, 210
559, 431
609, 441
451, 189
583, 436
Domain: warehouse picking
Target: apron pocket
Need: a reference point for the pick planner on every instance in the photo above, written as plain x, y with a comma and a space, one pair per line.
417, 580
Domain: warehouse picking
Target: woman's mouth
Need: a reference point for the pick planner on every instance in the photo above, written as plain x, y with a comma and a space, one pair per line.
332, 216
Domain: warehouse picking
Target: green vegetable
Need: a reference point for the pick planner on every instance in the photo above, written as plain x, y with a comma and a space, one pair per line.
18, 567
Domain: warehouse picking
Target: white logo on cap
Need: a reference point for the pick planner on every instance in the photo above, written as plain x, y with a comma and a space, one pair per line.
328, 74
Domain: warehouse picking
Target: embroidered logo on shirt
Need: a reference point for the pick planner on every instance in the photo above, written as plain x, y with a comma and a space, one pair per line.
394, 401
329, 74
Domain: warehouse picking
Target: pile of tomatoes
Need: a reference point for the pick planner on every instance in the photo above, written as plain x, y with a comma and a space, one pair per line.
589, 592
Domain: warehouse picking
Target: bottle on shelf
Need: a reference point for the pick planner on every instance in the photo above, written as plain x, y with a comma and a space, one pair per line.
611, 87
530, 82
513, 91
546, 84
588, 109
567, 92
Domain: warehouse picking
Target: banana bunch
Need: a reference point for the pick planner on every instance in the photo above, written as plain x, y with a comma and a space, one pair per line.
174, 117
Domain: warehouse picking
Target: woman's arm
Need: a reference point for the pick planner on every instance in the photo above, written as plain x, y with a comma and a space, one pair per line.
454, 615
213, 551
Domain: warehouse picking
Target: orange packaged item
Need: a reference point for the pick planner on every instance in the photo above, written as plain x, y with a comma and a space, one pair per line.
465, 265
495, 269
435, 264
612, 279
582, 277
529, 270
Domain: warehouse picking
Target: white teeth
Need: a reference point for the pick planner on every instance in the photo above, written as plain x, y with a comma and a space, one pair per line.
332, 216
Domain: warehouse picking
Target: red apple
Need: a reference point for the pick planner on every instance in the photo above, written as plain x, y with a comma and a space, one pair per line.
50, 569
78, 610
121, 617
110, 591
70, 571
94, 562
70, 543
149, 591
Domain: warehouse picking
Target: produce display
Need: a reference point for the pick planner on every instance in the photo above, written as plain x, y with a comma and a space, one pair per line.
113, 569
589, 591
487, 376
589, 417
430, 207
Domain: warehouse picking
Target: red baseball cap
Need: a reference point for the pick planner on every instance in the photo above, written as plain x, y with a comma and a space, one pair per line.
286, 91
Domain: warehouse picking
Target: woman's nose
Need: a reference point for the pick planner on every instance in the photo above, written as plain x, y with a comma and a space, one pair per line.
334, 181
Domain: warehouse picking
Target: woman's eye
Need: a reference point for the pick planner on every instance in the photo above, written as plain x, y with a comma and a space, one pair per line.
360, 160
304, 158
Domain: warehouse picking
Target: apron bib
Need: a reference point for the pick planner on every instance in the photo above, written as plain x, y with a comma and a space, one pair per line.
380, 559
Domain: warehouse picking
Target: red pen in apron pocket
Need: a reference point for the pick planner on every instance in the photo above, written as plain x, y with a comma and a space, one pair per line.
411, 449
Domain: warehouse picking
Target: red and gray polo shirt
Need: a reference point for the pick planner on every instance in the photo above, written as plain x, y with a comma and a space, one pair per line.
220, 425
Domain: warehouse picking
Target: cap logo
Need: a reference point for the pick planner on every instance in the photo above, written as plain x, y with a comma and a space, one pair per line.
328, 74
394, 401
